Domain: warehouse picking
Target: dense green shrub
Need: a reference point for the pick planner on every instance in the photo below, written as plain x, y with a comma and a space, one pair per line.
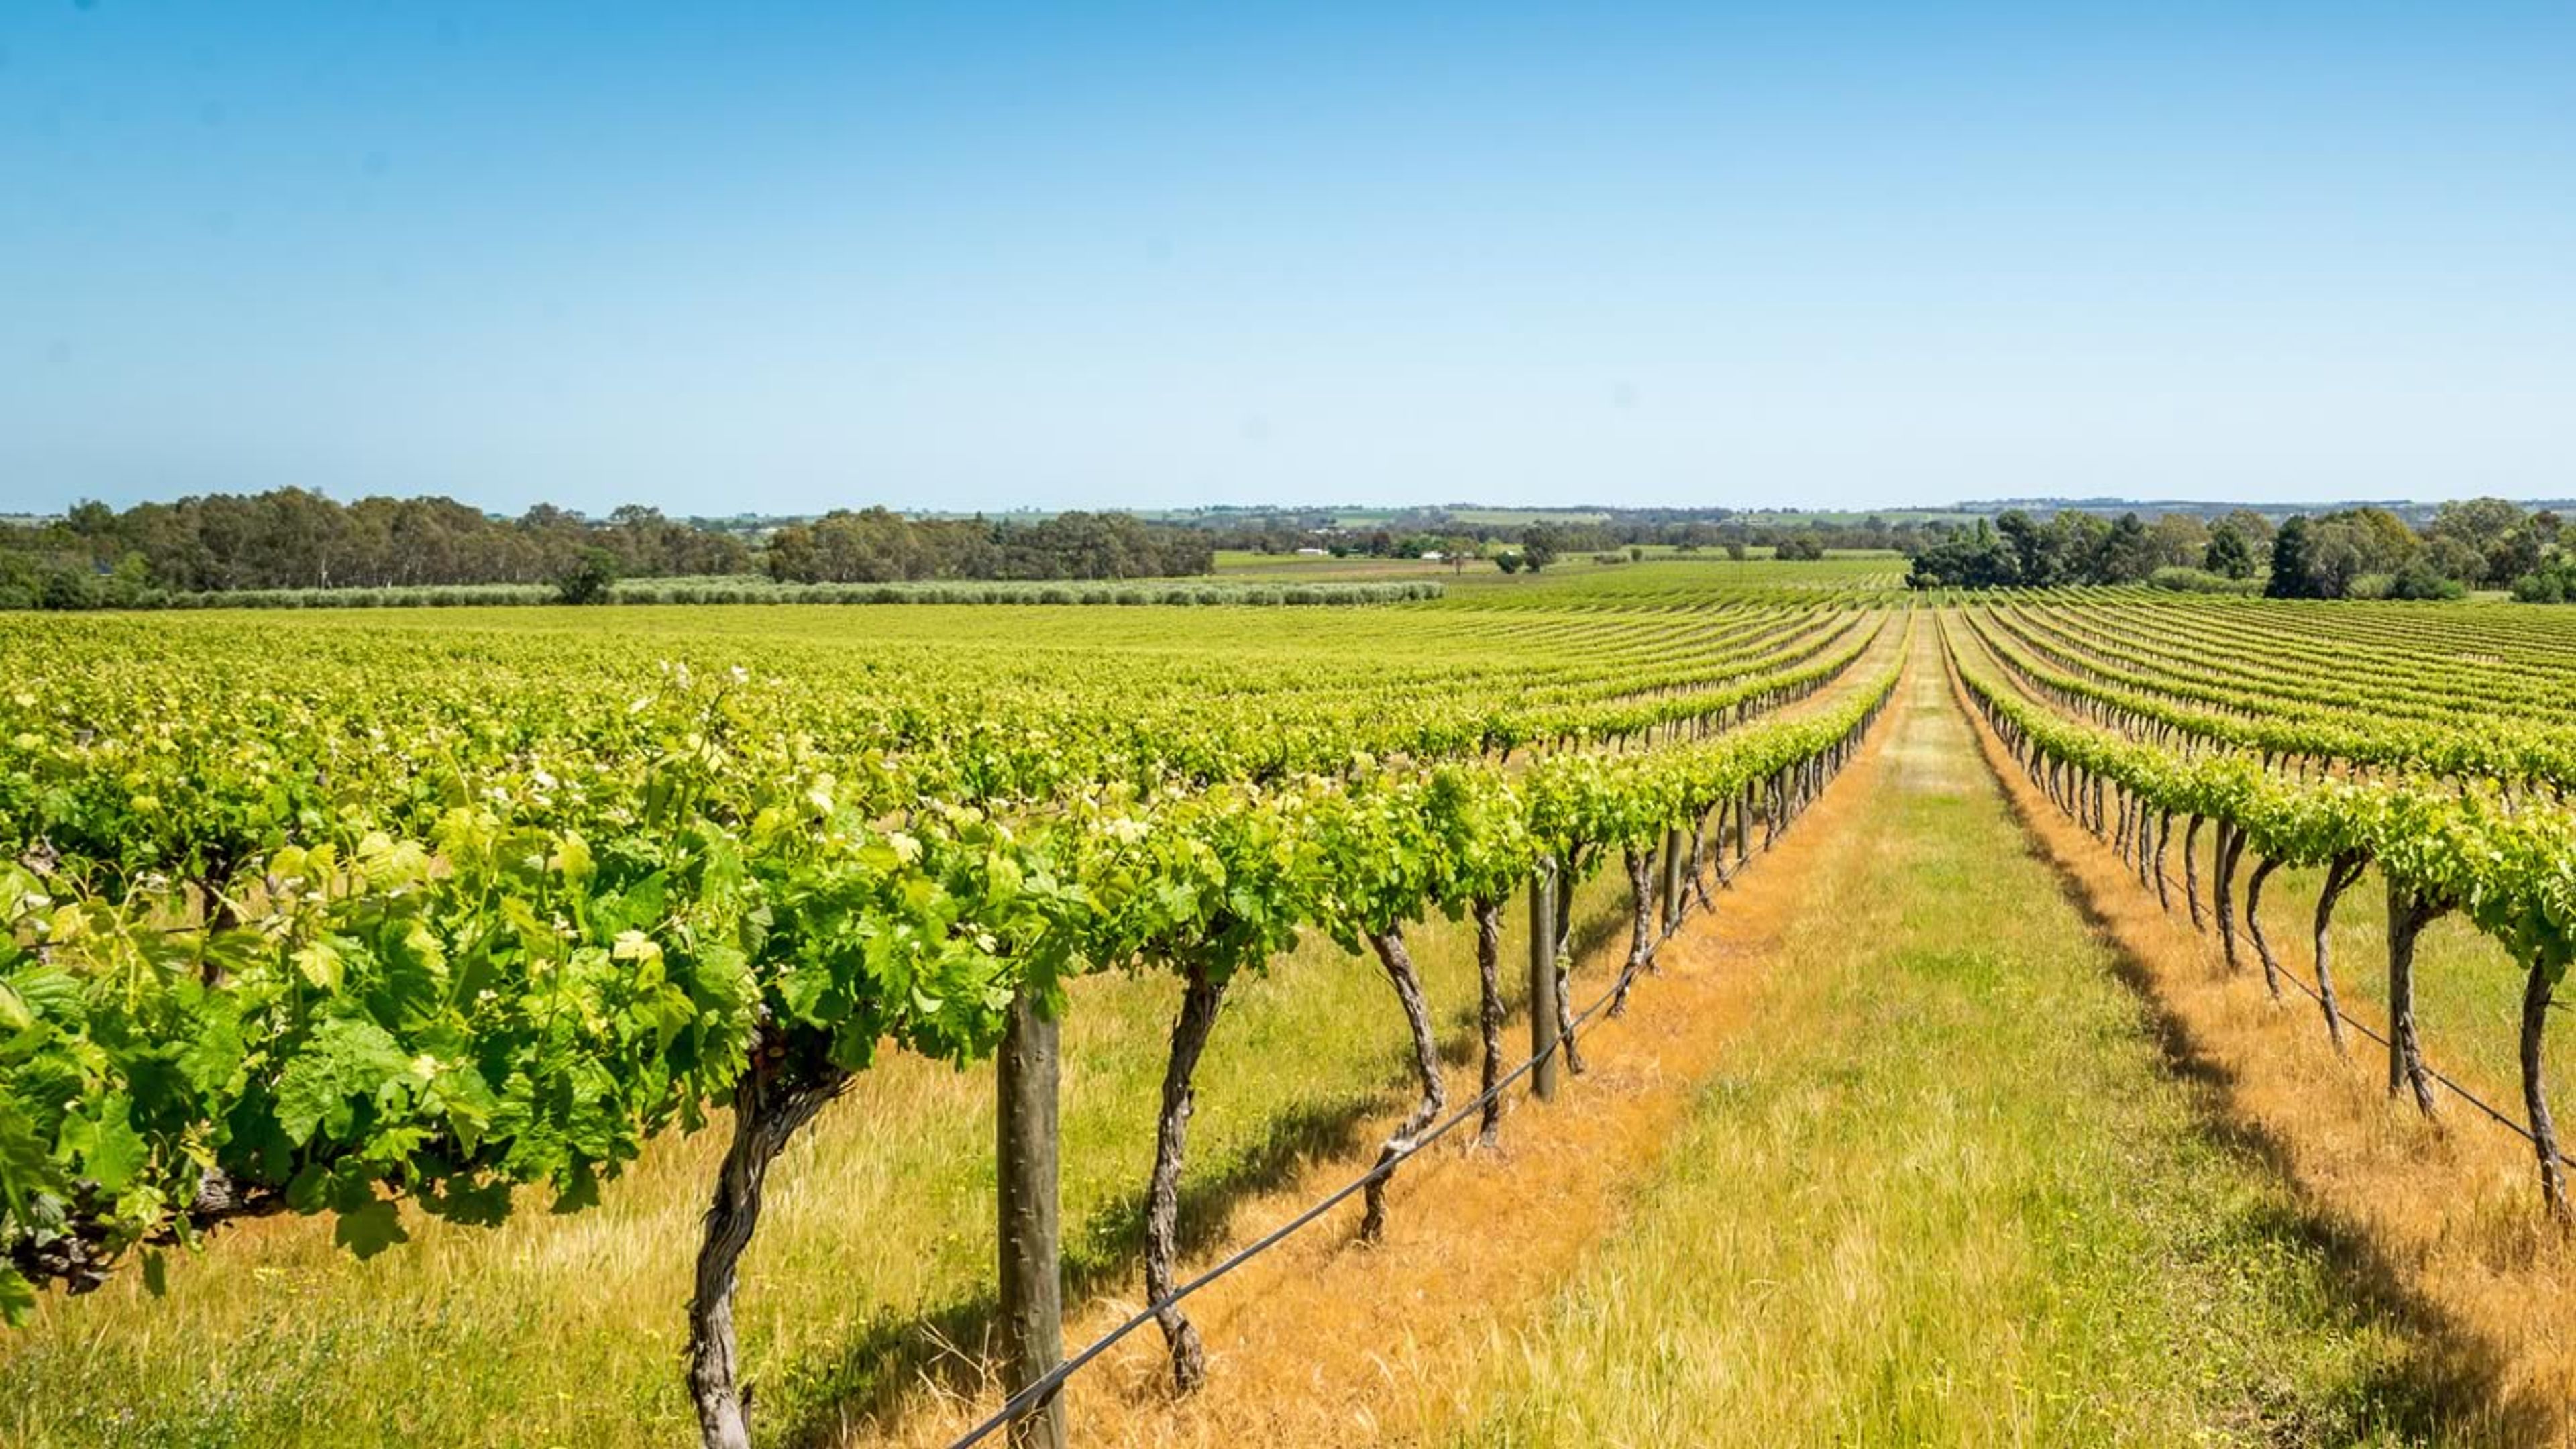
2554, 582
2201, 581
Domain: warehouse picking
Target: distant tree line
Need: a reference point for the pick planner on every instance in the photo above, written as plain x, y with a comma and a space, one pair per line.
294, 539
1414, 534
2019, 550
2482, 543
875, 545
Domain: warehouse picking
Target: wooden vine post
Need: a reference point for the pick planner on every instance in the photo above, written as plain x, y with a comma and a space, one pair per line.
1542, 981
1030, 1241
1569, 874
1674, 854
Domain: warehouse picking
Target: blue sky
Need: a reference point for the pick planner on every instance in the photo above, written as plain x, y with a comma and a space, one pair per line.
786, 257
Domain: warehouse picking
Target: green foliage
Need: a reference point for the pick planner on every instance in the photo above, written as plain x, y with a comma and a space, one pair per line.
2201, 581
2229, 554
1984, 559
1540, 545
2419, 579
65, 588
292, 538
2291, 577
752, 589
589, 579
2018, 551
876, 545
2554, 582
2324, 558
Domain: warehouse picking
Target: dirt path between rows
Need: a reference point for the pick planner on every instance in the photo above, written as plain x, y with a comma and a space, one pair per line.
2443, 1218
1325, 1340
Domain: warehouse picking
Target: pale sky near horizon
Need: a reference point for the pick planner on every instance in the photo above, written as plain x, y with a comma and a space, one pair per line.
785, 257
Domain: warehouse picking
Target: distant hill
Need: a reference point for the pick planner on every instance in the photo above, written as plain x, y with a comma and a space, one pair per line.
2408, 509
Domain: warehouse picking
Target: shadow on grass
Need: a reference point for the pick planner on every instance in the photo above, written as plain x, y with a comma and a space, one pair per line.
863, 1379
2448, 1384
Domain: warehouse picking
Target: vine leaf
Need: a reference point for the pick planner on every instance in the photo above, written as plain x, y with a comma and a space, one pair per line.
17, 1298
370, 1229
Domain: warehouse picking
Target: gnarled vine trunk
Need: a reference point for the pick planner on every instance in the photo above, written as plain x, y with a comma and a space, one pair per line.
778, 1093
1700, 866
2254, 923
1200, 999
1489, 1016
2341, 872
2408, 914
2191, 872
1391, 954
2164, 835
2231, 844
2142, 843
1641, 938
2535, 1091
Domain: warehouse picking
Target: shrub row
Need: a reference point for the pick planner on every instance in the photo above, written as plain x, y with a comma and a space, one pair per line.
758, 591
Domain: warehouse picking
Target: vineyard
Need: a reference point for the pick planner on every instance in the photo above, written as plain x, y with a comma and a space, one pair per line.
837, 1008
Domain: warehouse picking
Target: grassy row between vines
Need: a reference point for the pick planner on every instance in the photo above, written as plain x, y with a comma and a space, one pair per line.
1957, 1187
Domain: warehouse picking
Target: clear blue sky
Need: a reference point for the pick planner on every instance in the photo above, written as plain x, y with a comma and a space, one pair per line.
782, 257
